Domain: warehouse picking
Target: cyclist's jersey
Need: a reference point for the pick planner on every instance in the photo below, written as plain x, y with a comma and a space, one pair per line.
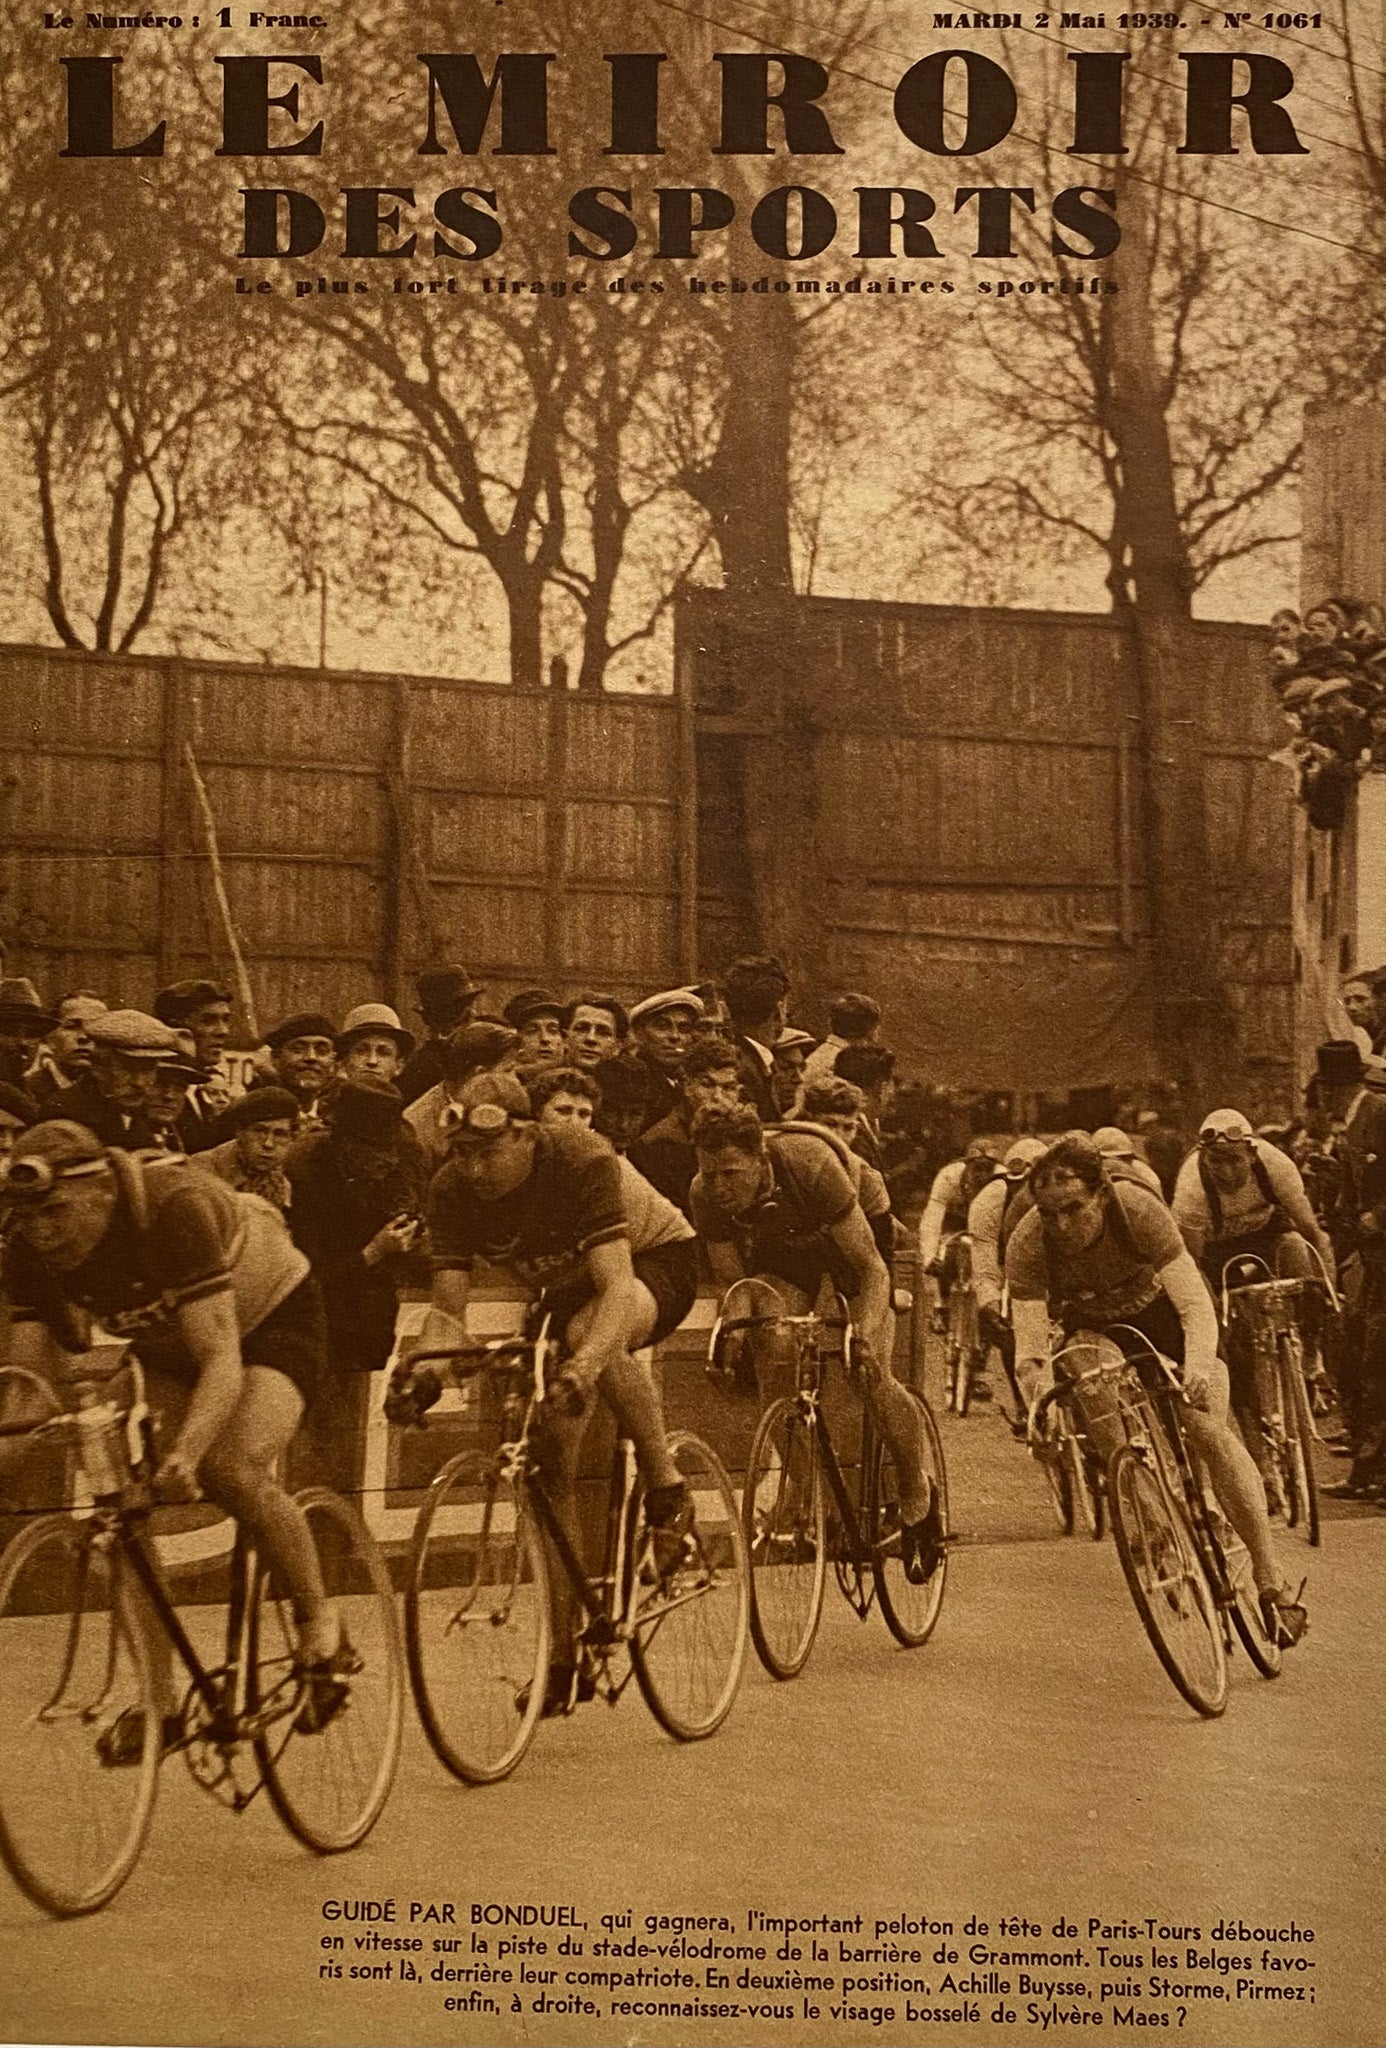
990, 1221
1212, 1217
578, 1195
949, 1194
176, 1236
785, 1234
1112, 1279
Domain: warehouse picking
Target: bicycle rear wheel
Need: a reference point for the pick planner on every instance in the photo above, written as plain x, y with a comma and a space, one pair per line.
1303, 1485
328, 1747
689, 1621
909, 1611
1167, 1581
785, 1521
477, 1620
73, 1662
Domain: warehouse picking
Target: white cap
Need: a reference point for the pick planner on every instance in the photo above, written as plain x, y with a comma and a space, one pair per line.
668, 999
1228, 1124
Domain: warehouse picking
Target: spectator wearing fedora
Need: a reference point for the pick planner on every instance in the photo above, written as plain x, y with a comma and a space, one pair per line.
202, 1008
1359, 1234
114, 1098
24, 1024
65, 1054
447, 996
537, 1015
254, 1134
664, 1028
358, 1193
373, 1045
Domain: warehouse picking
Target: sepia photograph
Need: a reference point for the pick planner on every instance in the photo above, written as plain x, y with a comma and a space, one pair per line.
692, 1025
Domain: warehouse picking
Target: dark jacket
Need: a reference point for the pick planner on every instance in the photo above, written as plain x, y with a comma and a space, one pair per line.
421, 1071
337, 1209
665, 1155
83, 1103
755, 1080
661, 1091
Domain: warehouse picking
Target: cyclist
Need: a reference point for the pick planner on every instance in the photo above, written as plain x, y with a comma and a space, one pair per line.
837, 1106
956, 1186
1239, 1196
1102, 1255
220, 1307
545, 1202
1123, 1161
779, 1207
994, 1213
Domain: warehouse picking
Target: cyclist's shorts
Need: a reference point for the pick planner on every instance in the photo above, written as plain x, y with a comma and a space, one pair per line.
1263, 1244
293, 1340
670, 1271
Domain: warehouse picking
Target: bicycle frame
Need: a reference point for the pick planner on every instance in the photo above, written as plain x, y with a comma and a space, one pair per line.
606, 1601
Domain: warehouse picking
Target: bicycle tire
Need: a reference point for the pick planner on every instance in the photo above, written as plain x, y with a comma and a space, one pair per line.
329, 1784
1058, 1480
1085, 1489
1234, 1562
786, 1538
1167, 1582
690, 1623
54, 1577
476, 1556
909, 1611
1299, 1439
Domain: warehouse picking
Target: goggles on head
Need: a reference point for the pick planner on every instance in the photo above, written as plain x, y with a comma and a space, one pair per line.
32, 1181
1222, 1141
480, 1120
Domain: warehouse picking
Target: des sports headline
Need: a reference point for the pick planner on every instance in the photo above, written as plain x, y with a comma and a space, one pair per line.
951, 103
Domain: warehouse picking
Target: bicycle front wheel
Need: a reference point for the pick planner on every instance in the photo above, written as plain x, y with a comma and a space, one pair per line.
785, 1521
477, 1620
909, 1610
328, 1745
1167, 1581
689, 1616
1264, 1652
80, 1733
1303, 1487
1085, 1489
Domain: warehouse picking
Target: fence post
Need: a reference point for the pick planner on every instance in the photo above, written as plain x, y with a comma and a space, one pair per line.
556, 823
177, 730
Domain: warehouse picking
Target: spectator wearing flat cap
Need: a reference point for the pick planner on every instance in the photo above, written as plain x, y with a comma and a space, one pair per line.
168, 1098
373, 1045
480, 1047
65, 1054
756, 987
447, 996
787, 1056
254, 1134
665, 1029
202, 1008
303, 1059
115, 1096
537, 1014
24, 1024
359, 1189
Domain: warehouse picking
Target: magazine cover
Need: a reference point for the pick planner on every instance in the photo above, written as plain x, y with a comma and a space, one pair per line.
692, 1024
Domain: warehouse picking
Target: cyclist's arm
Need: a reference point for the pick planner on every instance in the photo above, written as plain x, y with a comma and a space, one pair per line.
724, 1263
1299, 1210
446, 1321
870, 1302
1189, 1209
1030, 1322
614, 1303
983, 1227
931, 1225
1188, 1291
208, 1329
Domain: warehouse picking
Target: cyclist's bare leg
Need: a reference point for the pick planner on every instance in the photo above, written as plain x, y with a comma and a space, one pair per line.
1235, 1479
628, 1383
239, 1474
898, 1421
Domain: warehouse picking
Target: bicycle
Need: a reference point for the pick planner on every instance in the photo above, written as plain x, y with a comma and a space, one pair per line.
477, 1608
1188, 1572
785, 1511
1058, 1439
82, 1732
1268, 1311
964, 1353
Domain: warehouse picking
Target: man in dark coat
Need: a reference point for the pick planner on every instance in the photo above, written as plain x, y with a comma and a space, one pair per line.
757, 989
708, 1079
1359, 1233
447, 996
